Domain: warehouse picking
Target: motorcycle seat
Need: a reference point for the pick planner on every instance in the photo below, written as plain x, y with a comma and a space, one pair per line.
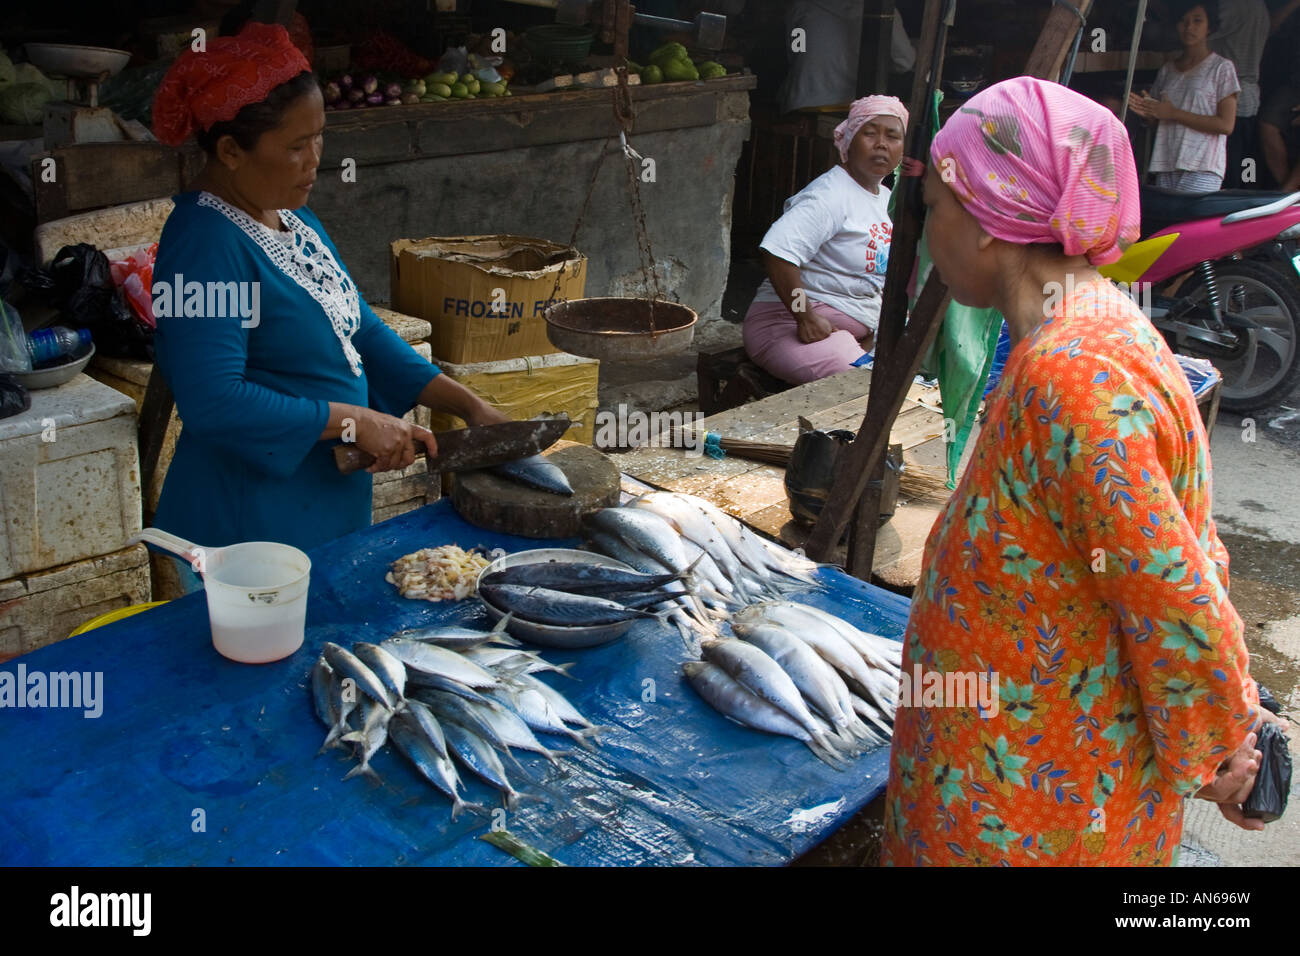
1162, 208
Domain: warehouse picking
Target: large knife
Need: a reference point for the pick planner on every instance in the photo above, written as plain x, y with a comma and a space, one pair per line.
479, 446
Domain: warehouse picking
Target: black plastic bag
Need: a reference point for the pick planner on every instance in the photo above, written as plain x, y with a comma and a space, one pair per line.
1267, 801
14, 399
1267, 700
811, 469
80, 285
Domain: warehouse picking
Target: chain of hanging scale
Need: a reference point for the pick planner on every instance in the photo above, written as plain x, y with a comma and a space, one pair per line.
625, 116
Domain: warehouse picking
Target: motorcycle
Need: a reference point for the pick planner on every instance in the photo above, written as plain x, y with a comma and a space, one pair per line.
1240, 306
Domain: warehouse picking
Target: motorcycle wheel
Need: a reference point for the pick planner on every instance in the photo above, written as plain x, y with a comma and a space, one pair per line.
1264, 368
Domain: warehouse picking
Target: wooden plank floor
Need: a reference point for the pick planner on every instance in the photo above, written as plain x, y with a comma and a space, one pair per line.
755, 492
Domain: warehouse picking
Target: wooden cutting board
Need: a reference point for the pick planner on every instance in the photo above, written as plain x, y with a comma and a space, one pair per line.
497, 504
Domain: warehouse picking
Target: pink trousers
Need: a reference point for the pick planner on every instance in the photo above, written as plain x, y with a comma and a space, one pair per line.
772, 341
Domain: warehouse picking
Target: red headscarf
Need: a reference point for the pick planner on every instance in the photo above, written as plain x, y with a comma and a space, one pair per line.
213, 86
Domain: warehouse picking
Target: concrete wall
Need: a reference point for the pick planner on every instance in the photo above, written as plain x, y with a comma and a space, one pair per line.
538, 191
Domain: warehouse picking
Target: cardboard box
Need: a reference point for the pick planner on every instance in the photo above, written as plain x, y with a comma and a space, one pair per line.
530, 386
44, 607
484, 295
69, 477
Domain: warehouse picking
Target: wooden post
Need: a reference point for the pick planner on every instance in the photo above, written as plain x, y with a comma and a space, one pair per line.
890, 380
155, 414
874, 61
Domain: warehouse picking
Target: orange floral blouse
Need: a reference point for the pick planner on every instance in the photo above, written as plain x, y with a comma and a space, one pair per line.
1078, 567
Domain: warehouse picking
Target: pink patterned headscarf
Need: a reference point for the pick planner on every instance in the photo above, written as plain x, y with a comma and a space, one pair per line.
1033, 161
863, 110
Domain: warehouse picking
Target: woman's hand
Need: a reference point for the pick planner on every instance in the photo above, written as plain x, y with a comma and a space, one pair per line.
913, 167
812, 327
1148, 108
1235, 781
391, 440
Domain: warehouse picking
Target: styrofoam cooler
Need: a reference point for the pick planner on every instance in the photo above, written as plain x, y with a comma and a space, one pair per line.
69, 477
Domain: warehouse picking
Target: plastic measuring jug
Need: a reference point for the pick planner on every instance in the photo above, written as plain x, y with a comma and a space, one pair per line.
256, 591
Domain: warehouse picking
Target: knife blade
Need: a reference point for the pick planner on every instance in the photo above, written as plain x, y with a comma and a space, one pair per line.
478, 446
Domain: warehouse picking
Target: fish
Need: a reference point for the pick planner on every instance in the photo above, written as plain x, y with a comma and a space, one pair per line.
579, 578
559, 703
477, 756
519, 662
435, 767
878, 651
424, 683
535, 472
730, 698
418, 712
456, 710
371, 737
322, 680
815, 632
347, 665
872, 718
390, 671
458, 638
762, 676
433, 659
512, 729
536, 711
643, 530
557, 608
819, 683
343, 701
690, 522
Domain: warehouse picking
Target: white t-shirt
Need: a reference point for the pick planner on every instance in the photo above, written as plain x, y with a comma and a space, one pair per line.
1199, 90
826, 73
838, 234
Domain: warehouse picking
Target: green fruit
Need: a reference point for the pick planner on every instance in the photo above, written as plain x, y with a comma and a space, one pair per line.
418, 87
468, 78
432, 98
652, 74
634, 67
677, 71
710, 70
493, 89
669, 51
449, 78
476, 87
459, 91
442, 89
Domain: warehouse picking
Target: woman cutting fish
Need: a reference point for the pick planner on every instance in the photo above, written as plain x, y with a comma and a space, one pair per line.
1077, 565
263, 395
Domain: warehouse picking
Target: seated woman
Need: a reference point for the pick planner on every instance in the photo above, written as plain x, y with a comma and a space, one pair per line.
827, 256
265, 390
1194, 99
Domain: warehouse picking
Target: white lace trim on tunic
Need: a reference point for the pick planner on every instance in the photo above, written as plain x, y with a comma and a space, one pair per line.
303, 257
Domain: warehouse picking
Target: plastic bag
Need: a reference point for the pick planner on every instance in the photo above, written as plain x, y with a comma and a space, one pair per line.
14, 356
14, 399
1267, 801
134, 276
811, 469
79, 282
1267, 700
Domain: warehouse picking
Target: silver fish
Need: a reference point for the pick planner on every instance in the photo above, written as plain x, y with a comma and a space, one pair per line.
424, 683
559, 703
511, 728
515, 661
480, 759
730, 698
815, 632
322, 677
558, 608
433, 766
385, 666
879, 652
458, 638
536, 711
643, 530
346, 664
343, 701
535, 472
418, 712
371, 737
763, 677
820, 685
450, 709
692, 523
433, 659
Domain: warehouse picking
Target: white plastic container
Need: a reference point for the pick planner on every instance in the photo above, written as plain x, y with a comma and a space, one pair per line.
256, 591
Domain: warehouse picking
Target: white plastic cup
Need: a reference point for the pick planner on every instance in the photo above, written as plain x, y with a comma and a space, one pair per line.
257, 600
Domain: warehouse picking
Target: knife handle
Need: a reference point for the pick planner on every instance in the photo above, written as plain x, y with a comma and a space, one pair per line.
350, 458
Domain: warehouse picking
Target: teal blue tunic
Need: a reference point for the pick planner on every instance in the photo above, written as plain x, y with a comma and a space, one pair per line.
250, 465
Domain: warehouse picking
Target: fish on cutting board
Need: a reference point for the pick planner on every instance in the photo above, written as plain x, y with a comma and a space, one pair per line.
535, 472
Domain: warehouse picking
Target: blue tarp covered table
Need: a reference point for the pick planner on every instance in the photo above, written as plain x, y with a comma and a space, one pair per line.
199, 760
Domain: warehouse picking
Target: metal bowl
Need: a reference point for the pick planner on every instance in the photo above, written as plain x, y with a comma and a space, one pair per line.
548, 635
58, 374
82, 62
619, 329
